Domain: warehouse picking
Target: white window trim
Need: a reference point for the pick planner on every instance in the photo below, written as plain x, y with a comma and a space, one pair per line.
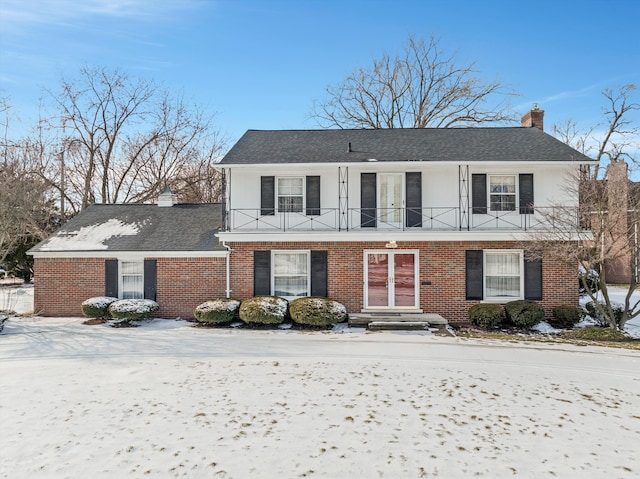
304, 193
516, 193
274, 253
501, 299
120, 275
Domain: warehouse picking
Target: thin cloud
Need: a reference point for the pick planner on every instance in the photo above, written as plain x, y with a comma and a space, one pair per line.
19, 17
559, 96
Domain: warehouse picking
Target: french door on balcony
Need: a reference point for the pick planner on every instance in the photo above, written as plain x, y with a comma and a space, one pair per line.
391, 279
390, 200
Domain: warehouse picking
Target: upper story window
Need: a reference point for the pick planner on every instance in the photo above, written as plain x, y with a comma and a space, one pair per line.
290, 194
132, 279
502, 193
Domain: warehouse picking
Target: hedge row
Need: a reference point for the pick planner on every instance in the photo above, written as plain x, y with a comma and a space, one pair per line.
522, 314
313, 311
106, 307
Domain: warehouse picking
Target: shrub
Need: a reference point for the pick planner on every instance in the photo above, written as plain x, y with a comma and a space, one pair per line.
486, 315
314, 311
97, 307
524, 313
592, 278
133, 309
264, 310
217, 311
599, 318
566, 316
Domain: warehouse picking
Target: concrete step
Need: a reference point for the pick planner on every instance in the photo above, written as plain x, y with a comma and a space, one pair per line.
398, 325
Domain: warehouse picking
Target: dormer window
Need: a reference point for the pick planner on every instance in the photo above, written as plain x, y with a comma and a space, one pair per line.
290, 193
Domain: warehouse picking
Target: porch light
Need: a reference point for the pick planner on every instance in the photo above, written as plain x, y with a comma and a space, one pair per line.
391, 244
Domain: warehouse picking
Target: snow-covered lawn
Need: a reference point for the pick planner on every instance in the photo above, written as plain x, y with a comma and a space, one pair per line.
170, 400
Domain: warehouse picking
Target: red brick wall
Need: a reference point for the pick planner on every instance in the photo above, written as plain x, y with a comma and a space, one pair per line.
441, 263
61, 285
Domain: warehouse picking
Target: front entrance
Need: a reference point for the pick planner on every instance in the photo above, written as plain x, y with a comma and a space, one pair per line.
391, 279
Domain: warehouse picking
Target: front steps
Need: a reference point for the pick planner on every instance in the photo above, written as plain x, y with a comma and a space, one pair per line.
379, 321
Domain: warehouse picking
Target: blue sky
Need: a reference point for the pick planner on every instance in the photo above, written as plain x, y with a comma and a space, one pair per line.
260, 64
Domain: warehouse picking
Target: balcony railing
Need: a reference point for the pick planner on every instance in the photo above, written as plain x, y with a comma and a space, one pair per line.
402, 219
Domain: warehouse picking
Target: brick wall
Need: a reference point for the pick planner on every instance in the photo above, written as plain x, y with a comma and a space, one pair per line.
441, 263
62, 284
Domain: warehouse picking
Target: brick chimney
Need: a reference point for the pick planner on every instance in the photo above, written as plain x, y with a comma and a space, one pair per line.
534, 118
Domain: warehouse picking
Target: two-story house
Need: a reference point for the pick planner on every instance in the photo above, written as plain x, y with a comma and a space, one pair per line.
397, 220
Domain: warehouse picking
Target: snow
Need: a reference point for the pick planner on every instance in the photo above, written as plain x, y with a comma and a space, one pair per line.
219, 305
137, 306
90, 238
99, 301
617, 295
169, 400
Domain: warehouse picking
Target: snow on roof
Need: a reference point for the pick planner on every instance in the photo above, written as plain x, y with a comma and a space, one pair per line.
90, 238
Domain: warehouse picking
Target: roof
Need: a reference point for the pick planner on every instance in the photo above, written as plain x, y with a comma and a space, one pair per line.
399, 144
138, 227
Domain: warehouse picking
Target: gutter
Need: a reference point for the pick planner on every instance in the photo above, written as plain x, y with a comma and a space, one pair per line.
228, 269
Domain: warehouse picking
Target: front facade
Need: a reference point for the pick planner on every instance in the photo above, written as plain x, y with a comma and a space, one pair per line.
397, 220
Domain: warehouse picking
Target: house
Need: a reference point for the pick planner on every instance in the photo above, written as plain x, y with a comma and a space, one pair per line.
387, 221
166, 252
398, 220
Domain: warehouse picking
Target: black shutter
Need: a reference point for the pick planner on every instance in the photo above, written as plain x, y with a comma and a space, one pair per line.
261, 273
313, 195
414, 199
479, 194
526, 193
532, 279
474, 274
368, 200
267, 195
150, 279
319, 273
111, 278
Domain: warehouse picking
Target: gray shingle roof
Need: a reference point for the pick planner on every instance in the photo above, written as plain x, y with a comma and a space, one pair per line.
133, 227
458, 145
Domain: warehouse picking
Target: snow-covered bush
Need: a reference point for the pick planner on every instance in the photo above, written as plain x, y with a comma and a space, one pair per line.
524, 313
264, 310
217, 311
591, 278
566, 316
486, 315
133, 309
97, 307
314, 311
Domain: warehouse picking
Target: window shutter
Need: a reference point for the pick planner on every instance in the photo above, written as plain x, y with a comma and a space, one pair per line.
267, 195
313, 195
526, 193
414, 199
111, 278
368, 200
150, 279
532, 279
474, 274
479, 194
319, 273
261, 273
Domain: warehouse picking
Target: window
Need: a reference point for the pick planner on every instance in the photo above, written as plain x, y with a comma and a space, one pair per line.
132, 279
290, 273
503, 279
502, 193
290, 195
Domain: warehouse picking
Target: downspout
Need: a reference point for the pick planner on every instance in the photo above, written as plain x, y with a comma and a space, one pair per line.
228, 272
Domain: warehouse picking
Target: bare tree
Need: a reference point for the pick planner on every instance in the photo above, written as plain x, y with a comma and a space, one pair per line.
603, 236
421, 87
124, 140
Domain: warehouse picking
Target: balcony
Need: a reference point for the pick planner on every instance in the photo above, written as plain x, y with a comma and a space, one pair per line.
249, 220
